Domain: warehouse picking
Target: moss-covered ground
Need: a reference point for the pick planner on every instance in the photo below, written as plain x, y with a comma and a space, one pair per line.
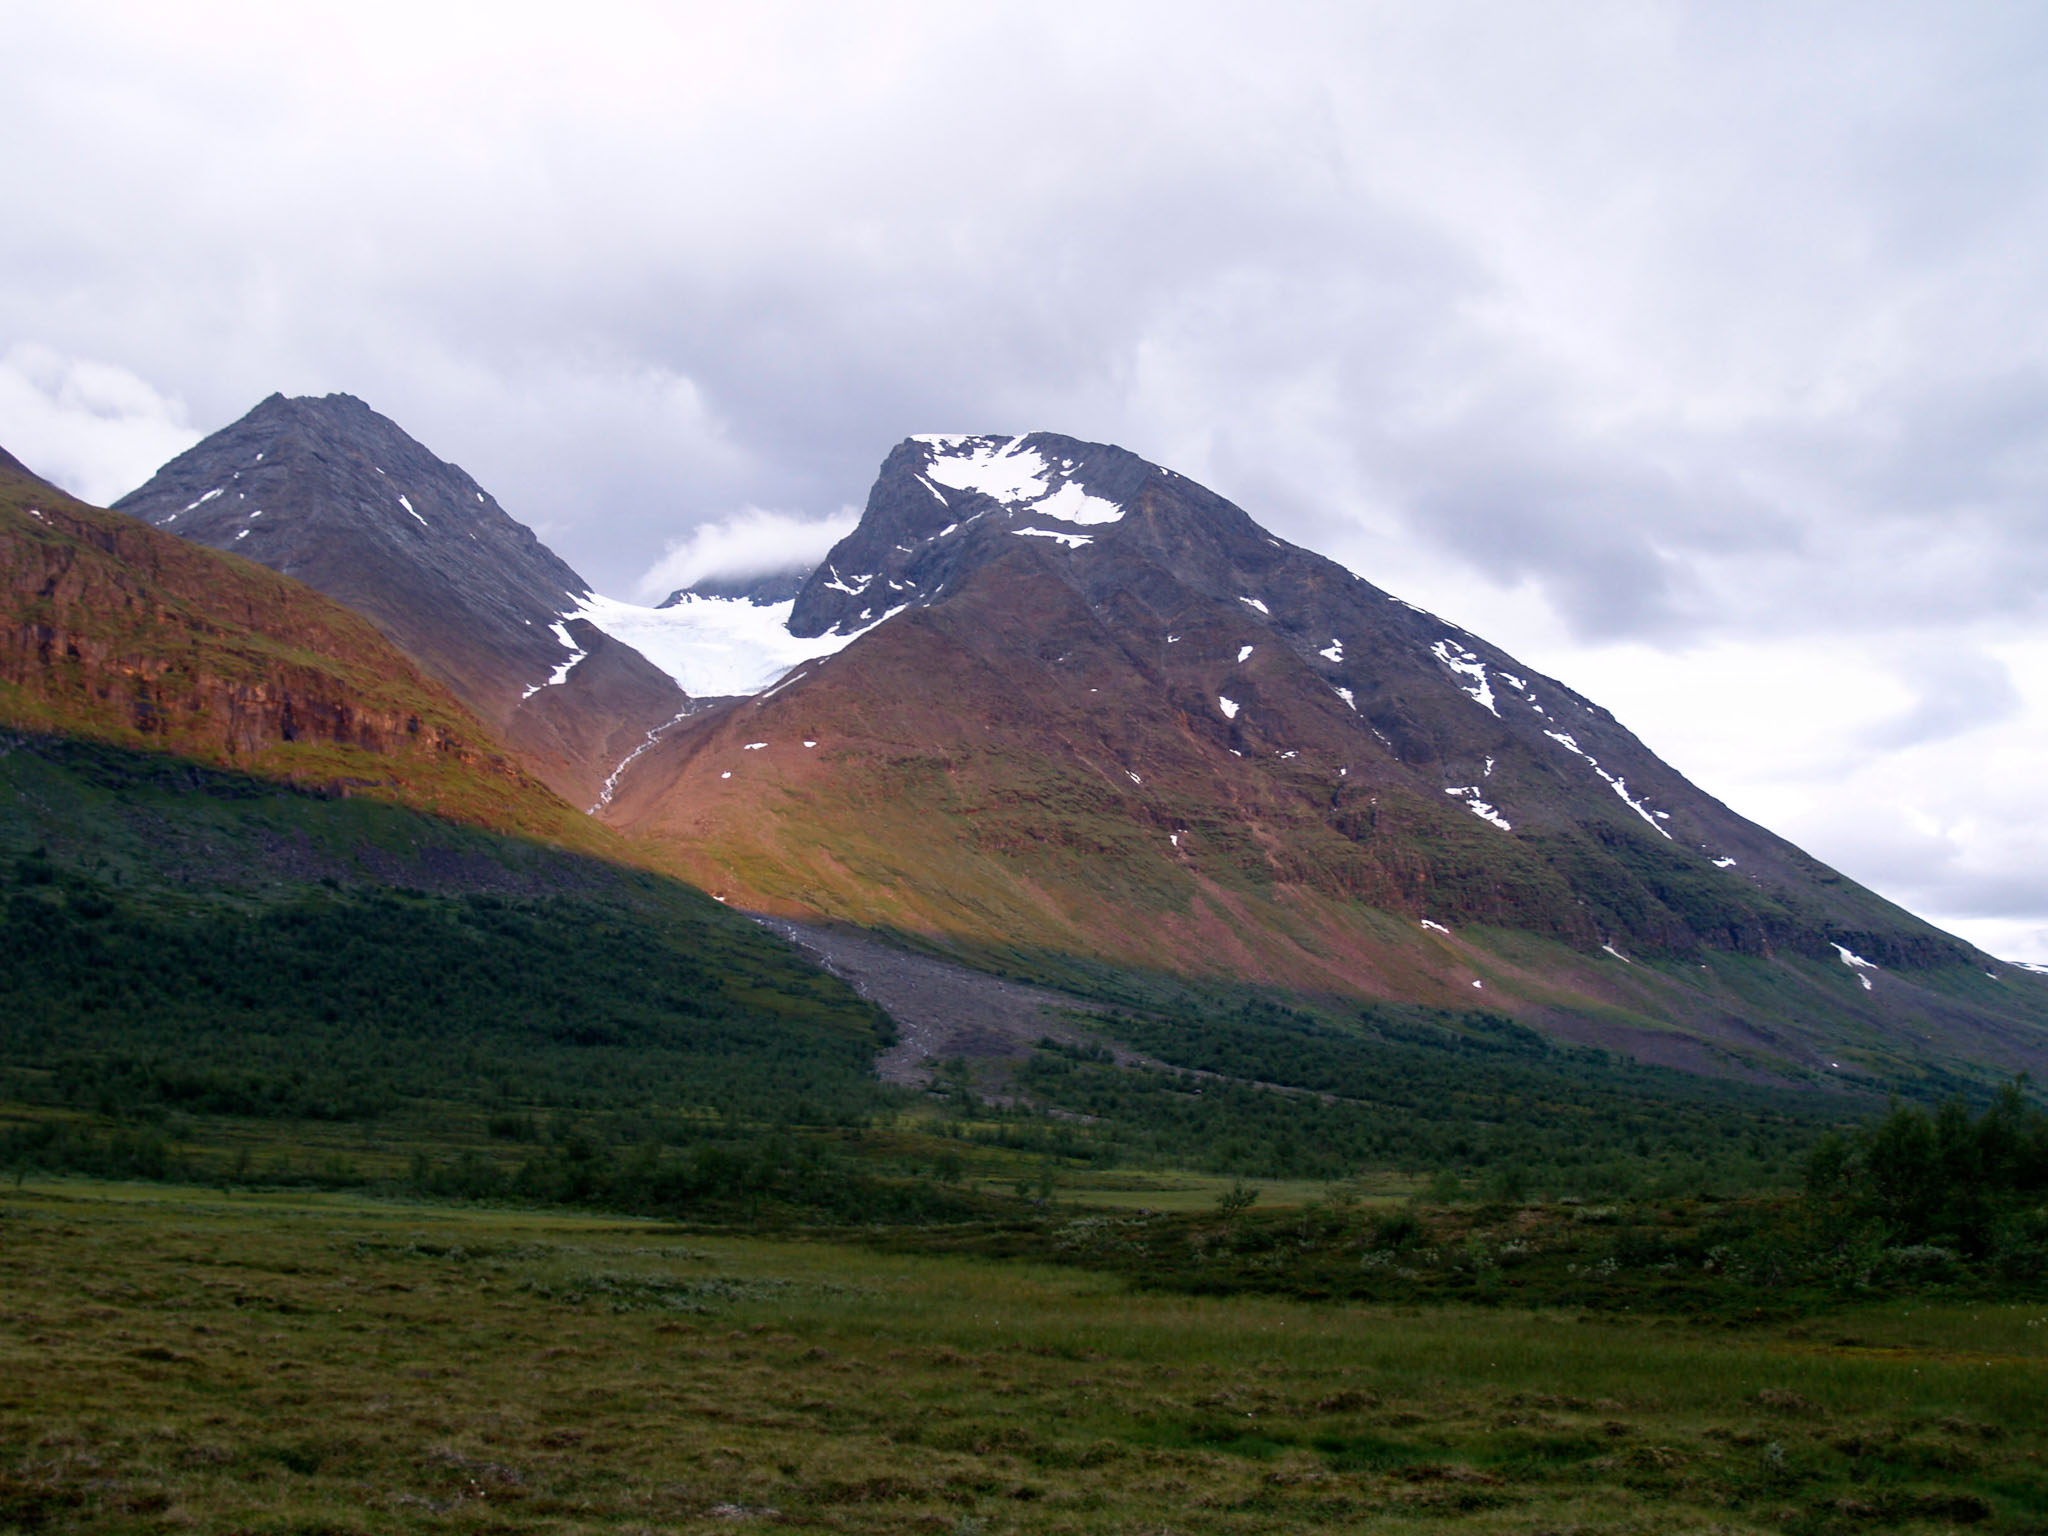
173, 1359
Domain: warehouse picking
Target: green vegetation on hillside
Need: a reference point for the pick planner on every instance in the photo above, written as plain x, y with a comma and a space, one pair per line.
186, 948
1474, 1095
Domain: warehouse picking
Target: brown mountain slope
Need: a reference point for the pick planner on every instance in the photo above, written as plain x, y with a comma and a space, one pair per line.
116, 632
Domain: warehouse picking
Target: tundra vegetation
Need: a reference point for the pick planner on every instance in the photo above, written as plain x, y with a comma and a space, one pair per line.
278, 1362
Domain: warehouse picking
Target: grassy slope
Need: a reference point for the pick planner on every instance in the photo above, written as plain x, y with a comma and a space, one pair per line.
282, 1365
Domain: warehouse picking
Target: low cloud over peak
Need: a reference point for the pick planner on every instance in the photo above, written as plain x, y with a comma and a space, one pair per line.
751, 542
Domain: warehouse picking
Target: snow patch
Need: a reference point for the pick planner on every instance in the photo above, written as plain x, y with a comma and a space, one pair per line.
202, 501
1253, 602
727, 774
241, 536
810, 743
1624, 959
1856, 963
1132, 777
838, 583
1345, 695
1071, 504
1067, 540
1465, 664
754, 746
1243, 651
1004, 470
1469, 793
1724, 862
1620, 787
561, 674
1334, 651
1228, 706
414, 515
1436, 927
1566, 740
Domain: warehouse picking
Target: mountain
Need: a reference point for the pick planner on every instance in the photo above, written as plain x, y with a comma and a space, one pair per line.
1088, 712
762, 591
339, 497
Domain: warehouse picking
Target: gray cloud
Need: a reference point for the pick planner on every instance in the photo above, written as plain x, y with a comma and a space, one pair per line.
1959, 691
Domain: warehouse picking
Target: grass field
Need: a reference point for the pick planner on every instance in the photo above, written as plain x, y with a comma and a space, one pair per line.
173, 1359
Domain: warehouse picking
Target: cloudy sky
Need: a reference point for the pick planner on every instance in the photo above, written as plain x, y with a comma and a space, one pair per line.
1697, 353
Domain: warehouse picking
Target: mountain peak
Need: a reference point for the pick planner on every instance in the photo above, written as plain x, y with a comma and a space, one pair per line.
946, 503
327, 490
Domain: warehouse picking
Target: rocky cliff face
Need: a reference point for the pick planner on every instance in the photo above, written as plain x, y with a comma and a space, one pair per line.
331, 493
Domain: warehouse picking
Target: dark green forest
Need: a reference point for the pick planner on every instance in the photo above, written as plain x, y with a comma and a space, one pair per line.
1474, 1096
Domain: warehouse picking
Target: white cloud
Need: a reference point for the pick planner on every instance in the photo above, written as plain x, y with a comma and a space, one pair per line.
751, 542
93, 428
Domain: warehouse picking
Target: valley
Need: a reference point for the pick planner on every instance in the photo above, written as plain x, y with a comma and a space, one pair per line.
1073, 1014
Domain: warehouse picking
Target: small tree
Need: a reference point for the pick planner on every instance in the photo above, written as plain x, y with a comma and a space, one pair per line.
1237, 1199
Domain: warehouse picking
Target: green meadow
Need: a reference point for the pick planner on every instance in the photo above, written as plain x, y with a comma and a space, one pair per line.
176, 1359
